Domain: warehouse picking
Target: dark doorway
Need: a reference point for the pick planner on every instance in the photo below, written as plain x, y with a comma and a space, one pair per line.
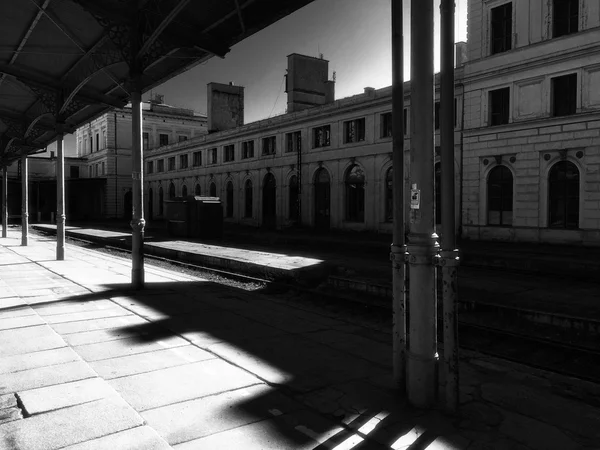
322, 199
294, 199
128, 205
269, 201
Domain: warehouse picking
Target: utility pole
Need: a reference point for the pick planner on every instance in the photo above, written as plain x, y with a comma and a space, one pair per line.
24, 198
422, 245
4, 201
61, 218
398, 250
449, 254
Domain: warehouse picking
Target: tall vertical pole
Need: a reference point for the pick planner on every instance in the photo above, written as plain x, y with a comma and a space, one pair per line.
398, 250
137, 217
422, 245
4, 201
449, 253
24, 199
61, 218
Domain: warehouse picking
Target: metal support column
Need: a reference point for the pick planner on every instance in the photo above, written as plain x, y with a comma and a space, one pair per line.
61, 218
449, 253
398, 250
24, 199
137, 218
422, 245
4, 201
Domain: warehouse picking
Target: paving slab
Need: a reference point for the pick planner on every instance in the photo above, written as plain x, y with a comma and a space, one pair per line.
197, 418
35, 360
20, 322
66, 328
176, 384
7, 312
44, 376
49, 398
31, 339
73, 306
140, 438
68, 426
123, 347
300, 430
115, 311
150, 361
299, 363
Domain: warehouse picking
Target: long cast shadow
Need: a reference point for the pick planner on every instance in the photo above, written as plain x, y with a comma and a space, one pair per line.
313, 363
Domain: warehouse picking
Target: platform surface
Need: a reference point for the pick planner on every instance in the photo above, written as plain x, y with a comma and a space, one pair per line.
189, 364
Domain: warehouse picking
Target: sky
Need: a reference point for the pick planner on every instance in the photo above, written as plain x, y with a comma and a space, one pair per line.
353, 35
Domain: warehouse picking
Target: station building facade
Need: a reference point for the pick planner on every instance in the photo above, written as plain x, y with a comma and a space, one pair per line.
531, 154
104, 148
325, 164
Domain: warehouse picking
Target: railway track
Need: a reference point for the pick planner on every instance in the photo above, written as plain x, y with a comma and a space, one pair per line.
521, 347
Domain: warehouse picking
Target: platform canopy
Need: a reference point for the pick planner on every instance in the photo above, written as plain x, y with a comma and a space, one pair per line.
63, 62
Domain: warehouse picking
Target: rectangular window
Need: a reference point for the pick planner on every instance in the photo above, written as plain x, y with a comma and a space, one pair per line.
322, 136
97, 141
354, 130
229, 153
163, 139
293, 141
268, 145
150, 167
405, 118
182, 138
103, 168
247, 149
197, 159
91, 144
104, 143
145, 141
499, 102
96, 169
565, 17
90, 171
386, 125
160, 165
183, 161
213, 155
501, 29
436, 116
171, 163
74, 171
564, 95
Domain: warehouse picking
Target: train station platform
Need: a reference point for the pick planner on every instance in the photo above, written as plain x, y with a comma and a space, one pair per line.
361, 264
87, 363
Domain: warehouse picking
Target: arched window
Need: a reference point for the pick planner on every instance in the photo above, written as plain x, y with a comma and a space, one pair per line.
500, 196
171, 191
213, 190
294, 198
563, 190
197, 190
184, 191
161, 204
248, 199
229, 197
389, 195
355, 194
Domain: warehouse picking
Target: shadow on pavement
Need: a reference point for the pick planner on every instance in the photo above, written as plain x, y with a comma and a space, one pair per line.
327, 381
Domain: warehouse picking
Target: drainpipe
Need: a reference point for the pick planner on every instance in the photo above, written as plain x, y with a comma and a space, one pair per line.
24, 199
422, 241
398, 250
116, 170
449, 254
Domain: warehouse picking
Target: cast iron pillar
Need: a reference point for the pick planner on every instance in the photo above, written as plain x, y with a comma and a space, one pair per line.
137, 218
4, 201
449, 254
61, 217
24, 199
422, 245
398, 250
